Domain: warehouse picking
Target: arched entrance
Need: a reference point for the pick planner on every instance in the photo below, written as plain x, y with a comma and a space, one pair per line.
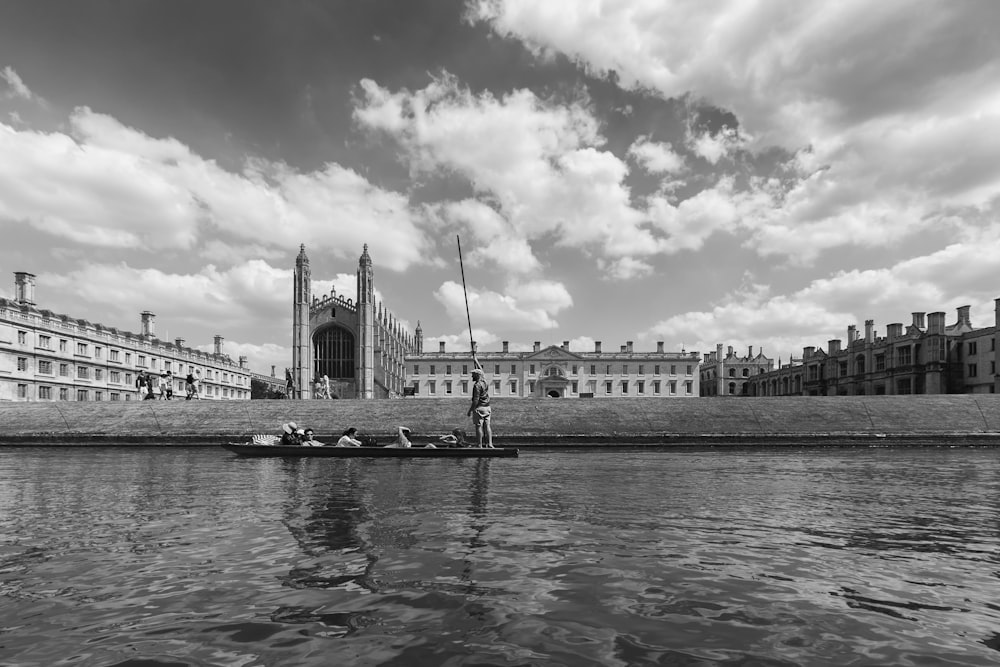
333, 353
553, 393
553, 382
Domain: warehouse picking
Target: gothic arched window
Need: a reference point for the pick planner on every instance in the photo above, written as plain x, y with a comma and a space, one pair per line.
333, 353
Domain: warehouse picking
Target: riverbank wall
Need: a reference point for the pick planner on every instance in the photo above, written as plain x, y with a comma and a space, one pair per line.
950, 420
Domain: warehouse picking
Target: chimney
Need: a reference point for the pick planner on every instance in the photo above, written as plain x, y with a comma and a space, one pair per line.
918, 320
729, 351
659, 346
538, 346
179, 342
24, 288
506, 346
852, 334
963, 315
749, 351
243, 361
565, 345
622, 349
833, 346
894, 330
148, 323
218, 344
808, 352
273, 371
935, 323
868, 331
708, 356
628, 345
441, 347
597, 346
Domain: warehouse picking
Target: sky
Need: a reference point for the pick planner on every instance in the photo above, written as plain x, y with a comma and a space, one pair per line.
744, 172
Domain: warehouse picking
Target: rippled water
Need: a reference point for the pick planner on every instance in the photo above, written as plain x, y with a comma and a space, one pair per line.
192, 556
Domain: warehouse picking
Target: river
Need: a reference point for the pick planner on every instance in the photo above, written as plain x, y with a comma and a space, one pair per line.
146, 557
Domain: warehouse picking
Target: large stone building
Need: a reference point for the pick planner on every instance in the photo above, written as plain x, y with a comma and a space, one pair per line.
730, 374
357, 344
556, 372
926, 357
45, 356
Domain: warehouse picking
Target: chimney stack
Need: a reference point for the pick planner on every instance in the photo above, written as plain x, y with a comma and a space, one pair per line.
148, 323
538, 346
852, 334
894, 331
918, 320
963, 315
179, 342
628, 345
218, 344
565, 345
597, 346
869, 333
833, 346
24, 288
441, 347
506, 347
749, 351
935, 323
659, 346
273, 371
243, 361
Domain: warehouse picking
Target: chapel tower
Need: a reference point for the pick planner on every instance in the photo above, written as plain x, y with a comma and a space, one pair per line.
365, 369
301, 336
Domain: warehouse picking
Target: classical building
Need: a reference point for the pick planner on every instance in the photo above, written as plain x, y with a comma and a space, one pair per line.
556, 372
926, 357
731, 374
45, 356
357, 344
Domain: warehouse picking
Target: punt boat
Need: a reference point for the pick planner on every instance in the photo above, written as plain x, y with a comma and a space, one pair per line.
261, 450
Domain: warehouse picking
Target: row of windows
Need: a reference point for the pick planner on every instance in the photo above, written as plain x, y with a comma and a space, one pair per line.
45, 393
142, 361
625, 386
554, 370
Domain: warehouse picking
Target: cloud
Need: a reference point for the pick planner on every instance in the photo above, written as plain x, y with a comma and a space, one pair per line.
656, 157
15, 86
260, 357
529, 305
108, 185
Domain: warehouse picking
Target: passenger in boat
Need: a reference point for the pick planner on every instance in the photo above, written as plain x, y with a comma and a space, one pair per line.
290, 435
455, 439
308, 440
480, 409
348, 439
401, 440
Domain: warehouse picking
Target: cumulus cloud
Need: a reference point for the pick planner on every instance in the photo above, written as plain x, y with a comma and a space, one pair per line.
14, 87
109, 185
530, 305
656, 157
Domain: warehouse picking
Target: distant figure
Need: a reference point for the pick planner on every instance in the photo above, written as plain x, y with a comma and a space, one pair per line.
308, 440
289, 384
290, 435
401, 440
150, 388
454, 439
480, 408
348, 439
191, 387
325, 384
167, 386
140, 384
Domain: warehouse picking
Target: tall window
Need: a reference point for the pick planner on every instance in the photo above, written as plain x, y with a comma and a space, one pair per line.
333, 354
22, 339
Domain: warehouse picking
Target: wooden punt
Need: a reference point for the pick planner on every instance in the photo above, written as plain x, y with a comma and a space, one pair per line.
256, 450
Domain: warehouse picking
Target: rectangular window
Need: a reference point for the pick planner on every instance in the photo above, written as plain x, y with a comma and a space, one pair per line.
22, 363
141, 361
22, 391
416, 369
82, 394
45, 367
673, 386
166, 366
45, 341
22, 339
624, 369
993, 368
513, 369
82, 372
574, 369
673, 369
225, 392
688, 372
843, 369
880, 362
972, 348
447, 371
81, 348
64, 370
656, 386
128, 359
45, 393
607, 388
496, 369
513, 387
116, 377
63, 394
98, 374
904, 355
431, 386
575, 387
531, 388
98, 395
447, 387
97, 352
688, 386
115, 396
593, 369
607, 369
640, 387
496, 386
465, 369
972, 370
531, 369
465, 386
641, 368
432, 370
128, 381
113, 355
63, 345
624, 386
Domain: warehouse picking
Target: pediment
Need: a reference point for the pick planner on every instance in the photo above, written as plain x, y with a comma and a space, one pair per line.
553, 353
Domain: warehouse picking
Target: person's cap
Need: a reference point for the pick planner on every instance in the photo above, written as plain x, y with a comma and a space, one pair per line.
293, 425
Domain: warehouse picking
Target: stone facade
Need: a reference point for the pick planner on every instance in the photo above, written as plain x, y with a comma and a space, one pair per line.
731, 374
927, 357
355, 342
556, 372
45, 356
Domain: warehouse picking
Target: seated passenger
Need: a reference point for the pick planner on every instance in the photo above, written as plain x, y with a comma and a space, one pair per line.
348, 439
401, 440
308, 441
290, 436
455, 439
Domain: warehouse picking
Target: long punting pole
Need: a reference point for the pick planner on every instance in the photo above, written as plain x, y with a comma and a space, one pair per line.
472, 346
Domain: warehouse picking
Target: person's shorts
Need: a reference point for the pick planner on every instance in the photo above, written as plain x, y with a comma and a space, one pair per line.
481, 415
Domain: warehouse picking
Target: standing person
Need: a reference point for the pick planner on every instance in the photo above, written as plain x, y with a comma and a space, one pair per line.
190, 387
289, 384
326, 387
480, 408
168, 384
150, 387
140, 384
